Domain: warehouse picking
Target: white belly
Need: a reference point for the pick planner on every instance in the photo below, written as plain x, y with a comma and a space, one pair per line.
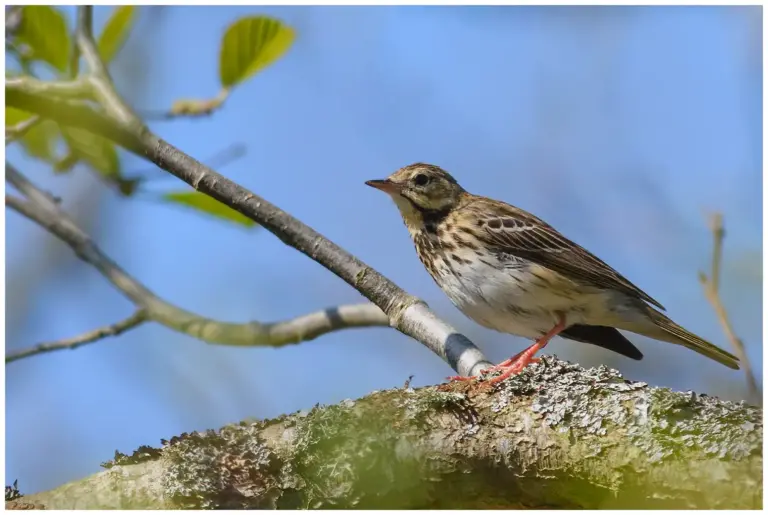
525, 300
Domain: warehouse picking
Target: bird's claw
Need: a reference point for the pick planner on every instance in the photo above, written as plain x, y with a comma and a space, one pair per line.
509, 367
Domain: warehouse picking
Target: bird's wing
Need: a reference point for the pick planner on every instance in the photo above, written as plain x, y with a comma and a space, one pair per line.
516, 232
605, 337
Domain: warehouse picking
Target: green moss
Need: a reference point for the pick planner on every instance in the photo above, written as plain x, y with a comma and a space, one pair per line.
366, 454
680, 422
565, 433
360, 276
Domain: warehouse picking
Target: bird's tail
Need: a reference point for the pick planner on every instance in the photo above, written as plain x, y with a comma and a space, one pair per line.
660, 327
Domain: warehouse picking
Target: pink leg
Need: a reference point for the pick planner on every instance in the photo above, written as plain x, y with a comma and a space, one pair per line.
519, 361
527, 356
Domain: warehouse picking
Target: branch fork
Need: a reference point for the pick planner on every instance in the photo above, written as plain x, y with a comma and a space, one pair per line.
68, 103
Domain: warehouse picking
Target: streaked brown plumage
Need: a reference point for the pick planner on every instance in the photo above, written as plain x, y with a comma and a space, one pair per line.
510, 271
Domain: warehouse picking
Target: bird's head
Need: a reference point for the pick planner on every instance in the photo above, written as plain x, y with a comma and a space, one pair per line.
420, 191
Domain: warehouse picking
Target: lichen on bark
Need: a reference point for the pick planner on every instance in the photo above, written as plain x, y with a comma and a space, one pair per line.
556, 436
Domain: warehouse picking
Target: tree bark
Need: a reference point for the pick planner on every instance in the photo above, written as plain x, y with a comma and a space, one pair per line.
555, 436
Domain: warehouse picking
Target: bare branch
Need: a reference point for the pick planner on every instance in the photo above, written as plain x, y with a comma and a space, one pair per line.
220, 159
718, 234
43, 209
406, 313
44, 199
711, 287
138, 318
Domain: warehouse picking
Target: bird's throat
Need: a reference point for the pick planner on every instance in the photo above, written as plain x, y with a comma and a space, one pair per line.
419, 218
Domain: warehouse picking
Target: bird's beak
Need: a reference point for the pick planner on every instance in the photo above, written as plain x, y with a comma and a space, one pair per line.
385, 185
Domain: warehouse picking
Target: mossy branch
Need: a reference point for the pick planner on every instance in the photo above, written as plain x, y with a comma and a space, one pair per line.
556, 436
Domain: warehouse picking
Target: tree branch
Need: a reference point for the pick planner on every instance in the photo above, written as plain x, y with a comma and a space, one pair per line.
76, 89
406, 313
135, 320
100, 79
555, 436
711, 287
27, 94
43, 209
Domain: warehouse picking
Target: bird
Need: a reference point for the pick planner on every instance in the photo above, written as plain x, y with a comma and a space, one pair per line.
512, 272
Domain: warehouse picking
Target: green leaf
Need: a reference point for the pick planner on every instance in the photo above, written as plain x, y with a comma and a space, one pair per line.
44, 29
209, 205
116, 31
15, 116
40, 140
249, 45
98, 152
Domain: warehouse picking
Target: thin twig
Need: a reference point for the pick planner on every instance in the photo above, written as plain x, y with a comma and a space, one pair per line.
718, 235
18, 131
43, 209
42, 198
711, 287
100, 79
74, 59
138, 318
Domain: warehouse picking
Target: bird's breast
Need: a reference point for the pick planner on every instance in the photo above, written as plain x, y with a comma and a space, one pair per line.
503, 292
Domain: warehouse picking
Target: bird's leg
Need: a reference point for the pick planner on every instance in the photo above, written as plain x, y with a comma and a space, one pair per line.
519, 361
523, 359
509, 361
503, 365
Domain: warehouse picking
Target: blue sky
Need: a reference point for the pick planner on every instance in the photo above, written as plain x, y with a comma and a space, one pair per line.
619, 126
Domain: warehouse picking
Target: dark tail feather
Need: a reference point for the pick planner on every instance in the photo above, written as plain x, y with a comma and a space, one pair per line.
667, 330
605, 337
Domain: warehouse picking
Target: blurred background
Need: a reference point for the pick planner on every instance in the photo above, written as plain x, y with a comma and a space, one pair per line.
622, 127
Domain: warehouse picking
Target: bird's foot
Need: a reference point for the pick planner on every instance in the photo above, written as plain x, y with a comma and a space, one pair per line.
501, 366
513, 368
525, 358
518, 362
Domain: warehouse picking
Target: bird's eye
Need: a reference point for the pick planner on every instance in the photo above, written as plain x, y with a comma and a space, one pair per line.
420, 179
